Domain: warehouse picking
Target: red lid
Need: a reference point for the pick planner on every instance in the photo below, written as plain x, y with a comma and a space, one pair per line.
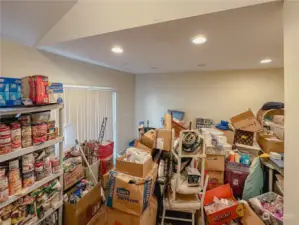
15, 125
4, 127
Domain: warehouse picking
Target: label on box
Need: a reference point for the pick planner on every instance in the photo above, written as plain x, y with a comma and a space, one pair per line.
160, 143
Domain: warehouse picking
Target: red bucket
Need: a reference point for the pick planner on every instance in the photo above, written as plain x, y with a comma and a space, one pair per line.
105, 154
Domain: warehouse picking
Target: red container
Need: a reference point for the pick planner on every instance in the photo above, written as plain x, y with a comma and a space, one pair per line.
235, 175
106, 165
34, 89
106, 150
105, 154
4, 130
225, 215
4, 140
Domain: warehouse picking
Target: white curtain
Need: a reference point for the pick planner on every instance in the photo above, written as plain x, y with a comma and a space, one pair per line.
84, 110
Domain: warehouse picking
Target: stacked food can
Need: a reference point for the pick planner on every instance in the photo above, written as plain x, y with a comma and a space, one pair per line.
5, 139
3, 186
28, 170
25, 121
14, 177
39, 127
15, 136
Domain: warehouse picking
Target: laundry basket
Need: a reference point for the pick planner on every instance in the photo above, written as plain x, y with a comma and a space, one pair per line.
256, 205
268, 114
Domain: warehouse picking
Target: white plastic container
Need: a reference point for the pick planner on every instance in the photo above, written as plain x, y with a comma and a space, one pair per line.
278, 130
278, 119
211, 131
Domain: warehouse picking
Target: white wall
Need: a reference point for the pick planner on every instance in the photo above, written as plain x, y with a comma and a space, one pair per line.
19, 61
291, 70
216, 95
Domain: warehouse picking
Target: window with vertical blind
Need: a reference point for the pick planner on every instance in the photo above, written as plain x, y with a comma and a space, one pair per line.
84, 110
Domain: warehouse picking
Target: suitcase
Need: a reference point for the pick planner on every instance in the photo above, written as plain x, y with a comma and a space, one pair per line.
236, 175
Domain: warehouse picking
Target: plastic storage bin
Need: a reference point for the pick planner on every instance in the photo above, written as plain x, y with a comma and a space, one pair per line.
10, 92
253, 151
235, 175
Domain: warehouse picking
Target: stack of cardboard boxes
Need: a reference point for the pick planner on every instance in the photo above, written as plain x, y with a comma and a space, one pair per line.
215, 167
130, 190
246, 125
130, 185
159, 139
272, 142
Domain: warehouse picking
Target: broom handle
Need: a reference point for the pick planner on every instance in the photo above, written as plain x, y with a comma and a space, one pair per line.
86, 161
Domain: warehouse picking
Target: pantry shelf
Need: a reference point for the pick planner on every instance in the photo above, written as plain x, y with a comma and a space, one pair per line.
29, 109
49, 212
30, 149
36, 185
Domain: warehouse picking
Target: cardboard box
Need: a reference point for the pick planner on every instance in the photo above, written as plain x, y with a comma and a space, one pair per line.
164, 138
167, 121
246, 121
130, 194
55, 92
268, 144
139, 145
215, 163
250, 218
105, 180
85, 209
73, 176
116, 217
35, 90
225, 215
134, 169
216, 179
100, 218
10, 92
149, 139
177, 128
229, 134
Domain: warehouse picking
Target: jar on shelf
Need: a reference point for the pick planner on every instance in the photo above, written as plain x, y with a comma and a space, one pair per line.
15, 136
4, 193
5, 139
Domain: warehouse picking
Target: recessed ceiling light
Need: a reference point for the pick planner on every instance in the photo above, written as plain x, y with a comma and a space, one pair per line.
201, 65
117, 49
266, 61
199, 39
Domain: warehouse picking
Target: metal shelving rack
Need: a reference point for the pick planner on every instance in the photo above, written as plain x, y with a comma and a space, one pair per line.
4, 112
